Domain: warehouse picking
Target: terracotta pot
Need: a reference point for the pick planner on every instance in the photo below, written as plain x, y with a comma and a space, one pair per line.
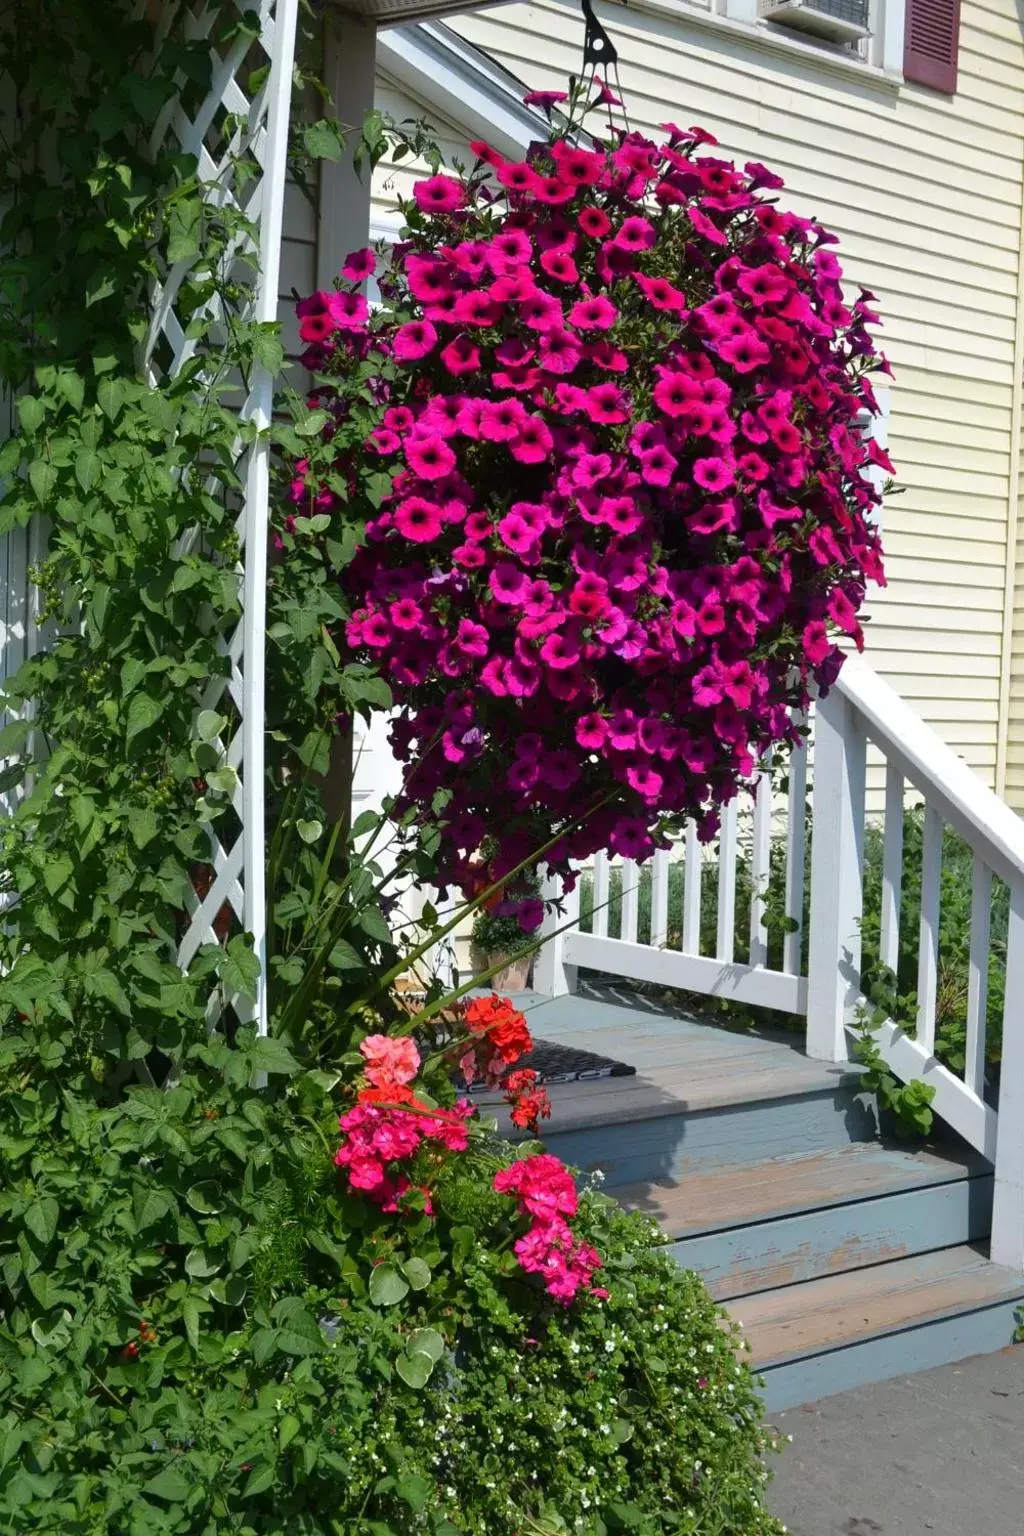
513, 977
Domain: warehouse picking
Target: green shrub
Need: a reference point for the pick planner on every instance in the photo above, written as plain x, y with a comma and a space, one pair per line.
199, 1335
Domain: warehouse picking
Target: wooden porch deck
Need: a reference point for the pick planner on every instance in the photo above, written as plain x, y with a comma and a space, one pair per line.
849, 1258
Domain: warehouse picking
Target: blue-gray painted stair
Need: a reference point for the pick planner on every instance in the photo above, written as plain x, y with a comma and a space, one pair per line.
847, 1259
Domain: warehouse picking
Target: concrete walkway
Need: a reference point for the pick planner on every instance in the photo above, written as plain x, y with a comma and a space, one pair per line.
939, 1454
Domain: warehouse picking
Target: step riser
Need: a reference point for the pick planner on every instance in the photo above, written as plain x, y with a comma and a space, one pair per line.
790, 1249
941, 1342
674, 1145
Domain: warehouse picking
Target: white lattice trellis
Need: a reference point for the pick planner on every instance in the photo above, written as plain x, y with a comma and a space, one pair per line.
228, 127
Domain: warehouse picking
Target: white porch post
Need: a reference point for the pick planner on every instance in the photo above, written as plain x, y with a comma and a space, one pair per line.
1008, 1200
837, 863
350, 53
552, 977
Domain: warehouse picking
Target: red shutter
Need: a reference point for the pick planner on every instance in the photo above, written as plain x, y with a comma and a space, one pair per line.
931, 42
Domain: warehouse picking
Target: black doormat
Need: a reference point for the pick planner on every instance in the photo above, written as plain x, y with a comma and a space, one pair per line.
564, 1064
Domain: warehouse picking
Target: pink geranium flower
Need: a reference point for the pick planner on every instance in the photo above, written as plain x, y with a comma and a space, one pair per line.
389, 1060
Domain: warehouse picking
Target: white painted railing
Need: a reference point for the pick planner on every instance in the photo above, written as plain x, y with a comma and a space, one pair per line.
822, 982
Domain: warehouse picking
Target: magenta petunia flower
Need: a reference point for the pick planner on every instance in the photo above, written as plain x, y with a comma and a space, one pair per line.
418, 519
540, 311
414, 340
713, 474
593, 222
501, 420
608, 404
534, 443
766, 284
461, 356
511, 248
545, 99
659, 292
635, 234
429, 457
508, 582
439, 194
518, 178
657, 465
359, 265
596, 314
477, 308
560, 265
558, 353
674, 393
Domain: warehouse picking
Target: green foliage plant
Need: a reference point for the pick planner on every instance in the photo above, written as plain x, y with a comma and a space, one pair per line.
203, 1330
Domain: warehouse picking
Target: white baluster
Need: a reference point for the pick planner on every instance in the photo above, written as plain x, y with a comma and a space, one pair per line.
599, 921
726, 939
691, 892
928, 956
977, 976
837, 872
796, 858
1007, 1245
659, 900
892, 868
552, 975
630, 900
760, 869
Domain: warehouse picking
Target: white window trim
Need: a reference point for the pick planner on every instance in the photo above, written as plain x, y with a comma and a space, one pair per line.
739, 19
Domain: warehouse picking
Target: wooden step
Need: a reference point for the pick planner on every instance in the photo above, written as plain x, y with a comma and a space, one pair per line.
701, 1095
842, 1331
752, 1227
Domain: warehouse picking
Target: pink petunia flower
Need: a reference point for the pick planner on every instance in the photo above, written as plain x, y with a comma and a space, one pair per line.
414, 340
418, 519
359, 265
439, 194
429, 457
596, 314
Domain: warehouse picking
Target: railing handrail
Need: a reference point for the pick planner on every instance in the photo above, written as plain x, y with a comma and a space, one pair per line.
973, 810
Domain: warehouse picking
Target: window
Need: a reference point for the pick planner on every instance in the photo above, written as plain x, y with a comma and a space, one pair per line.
855, 31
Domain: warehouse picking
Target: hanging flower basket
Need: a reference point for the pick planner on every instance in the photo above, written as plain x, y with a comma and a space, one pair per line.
607, 433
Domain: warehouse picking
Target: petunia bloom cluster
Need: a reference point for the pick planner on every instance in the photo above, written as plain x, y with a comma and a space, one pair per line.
630, 504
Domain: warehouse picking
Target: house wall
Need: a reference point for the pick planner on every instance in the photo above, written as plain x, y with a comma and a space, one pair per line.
924, 192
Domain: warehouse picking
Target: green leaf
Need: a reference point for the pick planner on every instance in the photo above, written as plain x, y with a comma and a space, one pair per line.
150, 1206
414, 1490
42, 477
200, 1263
417, 1273
204, 1198
110, 394
324, 141
259, 1481
87, 468
272, 1056
289, 1428
171, 1485
240, 969
184, 228
268, 350
373, 923
312, 424
387, 1288
143, 826
41, 1219
143, 712
426, 1341
414, 1369
309, 831
366, 821
210, 725
190, 1314
32, 412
